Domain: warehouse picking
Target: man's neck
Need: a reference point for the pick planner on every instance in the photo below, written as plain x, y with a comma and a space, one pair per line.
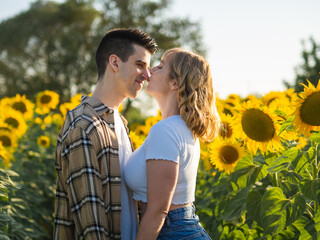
107, 95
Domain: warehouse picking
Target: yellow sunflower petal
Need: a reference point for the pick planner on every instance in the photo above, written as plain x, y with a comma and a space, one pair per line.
307, 113
225, 154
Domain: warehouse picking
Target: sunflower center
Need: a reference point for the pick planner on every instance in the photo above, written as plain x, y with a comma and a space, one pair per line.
257, 125
225, 130
228, 154
19, 106
43, 142
45, 99
12, 122
6, 141
310, 110
227, 111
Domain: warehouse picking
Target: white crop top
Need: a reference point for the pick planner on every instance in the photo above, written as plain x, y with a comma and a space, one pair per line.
169, 139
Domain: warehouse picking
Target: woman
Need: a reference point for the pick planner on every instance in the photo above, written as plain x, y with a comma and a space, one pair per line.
162, 171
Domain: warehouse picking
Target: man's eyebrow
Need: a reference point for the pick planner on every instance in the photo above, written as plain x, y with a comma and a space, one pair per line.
142, 62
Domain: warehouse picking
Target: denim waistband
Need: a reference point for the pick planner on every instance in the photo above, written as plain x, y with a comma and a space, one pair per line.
181, 213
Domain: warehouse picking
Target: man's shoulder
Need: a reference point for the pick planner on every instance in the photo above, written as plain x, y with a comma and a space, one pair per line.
84, 117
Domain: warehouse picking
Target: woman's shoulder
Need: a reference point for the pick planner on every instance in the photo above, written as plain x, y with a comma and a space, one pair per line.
172, 122
173, 125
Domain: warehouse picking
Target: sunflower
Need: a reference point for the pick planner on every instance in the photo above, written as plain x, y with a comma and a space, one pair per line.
257, 126
224, 108
204, 156
136, 139
46, 100
43, 141
76, 99
5, 155
307, 113
66, 107
141, 130
226, 130
232, 100
150, 121
15, 121
225, 154
291, 95
272, 96
57, 119
8, 140
302, 142
20, 104
250, 98
5, 126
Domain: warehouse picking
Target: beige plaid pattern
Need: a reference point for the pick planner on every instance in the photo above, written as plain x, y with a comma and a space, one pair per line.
88, 193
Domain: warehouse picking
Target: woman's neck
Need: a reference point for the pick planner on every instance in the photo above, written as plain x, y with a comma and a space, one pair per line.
168, 106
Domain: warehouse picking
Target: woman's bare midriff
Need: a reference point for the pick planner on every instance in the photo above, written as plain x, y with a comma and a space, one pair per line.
143, 207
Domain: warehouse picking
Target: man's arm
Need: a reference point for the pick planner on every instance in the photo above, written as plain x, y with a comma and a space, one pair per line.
83, 185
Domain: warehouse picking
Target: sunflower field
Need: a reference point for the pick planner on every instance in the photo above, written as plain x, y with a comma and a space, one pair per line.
258, 180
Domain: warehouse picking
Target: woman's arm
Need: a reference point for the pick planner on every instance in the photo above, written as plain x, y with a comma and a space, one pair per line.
162, 178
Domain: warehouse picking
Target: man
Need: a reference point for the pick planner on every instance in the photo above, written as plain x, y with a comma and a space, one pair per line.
92, 201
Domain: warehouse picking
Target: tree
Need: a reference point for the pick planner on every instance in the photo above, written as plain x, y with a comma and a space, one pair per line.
52, 45
309, 69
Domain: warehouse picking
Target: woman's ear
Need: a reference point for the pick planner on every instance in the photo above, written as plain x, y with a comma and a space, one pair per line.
114, 62
174, 84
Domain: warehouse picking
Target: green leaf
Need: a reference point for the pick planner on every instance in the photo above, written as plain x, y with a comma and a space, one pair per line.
298, 208
315, 137
273, 211
3, 197
301, 163
5, 218
286, 125
306, 228
236, 235
292, 177
316, 220
235, 206
253, 204
290, 233
284, 160
246, 173
310, 188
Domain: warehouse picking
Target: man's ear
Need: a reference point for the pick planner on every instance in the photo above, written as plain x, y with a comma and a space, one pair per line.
174, 84
114, 62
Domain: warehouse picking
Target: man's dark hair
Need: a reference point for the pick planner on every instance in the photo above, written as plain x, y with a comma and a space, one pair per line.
119, 42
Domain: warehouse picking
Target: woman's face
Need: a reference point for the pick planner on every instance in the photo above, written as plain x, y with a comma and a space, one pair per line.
158, 84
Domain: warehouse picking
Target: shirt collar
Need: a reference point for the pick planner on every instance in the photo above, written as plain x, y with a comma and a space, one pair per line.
98, 106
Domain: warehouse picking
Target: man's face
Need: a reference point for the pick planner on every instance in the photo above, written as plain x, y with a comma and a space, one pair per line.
134, 72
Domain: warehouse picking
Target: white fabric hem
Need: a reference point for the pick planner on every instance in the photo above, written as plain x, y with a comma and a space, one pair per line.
137, 199
165, 159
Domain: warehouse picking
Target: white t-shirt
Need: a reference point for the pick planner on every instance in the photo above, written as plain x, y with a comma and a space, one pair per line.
128, 215
169, 139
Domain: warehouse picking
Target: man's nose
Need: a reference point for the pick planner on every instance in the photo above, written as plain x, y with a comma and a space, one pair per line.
146, 74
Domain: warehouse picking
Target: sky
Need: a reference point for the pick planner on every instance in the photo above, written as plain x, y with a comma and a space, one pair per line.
252, 45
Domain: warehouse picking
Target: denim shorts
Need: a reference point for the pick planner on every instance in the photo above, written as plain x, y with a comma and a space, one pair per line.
182, 224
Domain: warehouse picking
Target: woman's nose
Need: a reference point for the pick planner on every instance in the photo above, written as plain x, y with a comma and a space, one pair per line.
152, 70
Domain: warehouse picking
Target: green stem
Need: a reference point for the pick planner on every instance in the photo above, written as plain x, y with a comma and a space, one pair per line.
274, 179
309, 174
310, 208
277, 179
317, 162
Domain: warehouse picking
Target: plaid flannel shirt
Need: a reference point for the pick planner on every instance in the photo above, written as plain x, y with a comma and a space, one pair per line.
88, 193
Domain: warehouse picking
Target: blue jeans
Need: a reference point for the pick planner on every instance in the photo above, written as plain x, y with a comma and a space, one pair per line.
182, 224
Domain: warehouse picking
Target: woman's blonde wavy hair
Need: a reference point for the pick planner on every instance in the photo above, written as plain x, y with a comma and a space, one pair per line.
196, 97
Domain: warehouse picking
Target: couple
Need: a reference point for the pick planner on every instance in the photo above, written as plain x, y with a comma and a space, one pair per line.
104, 191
